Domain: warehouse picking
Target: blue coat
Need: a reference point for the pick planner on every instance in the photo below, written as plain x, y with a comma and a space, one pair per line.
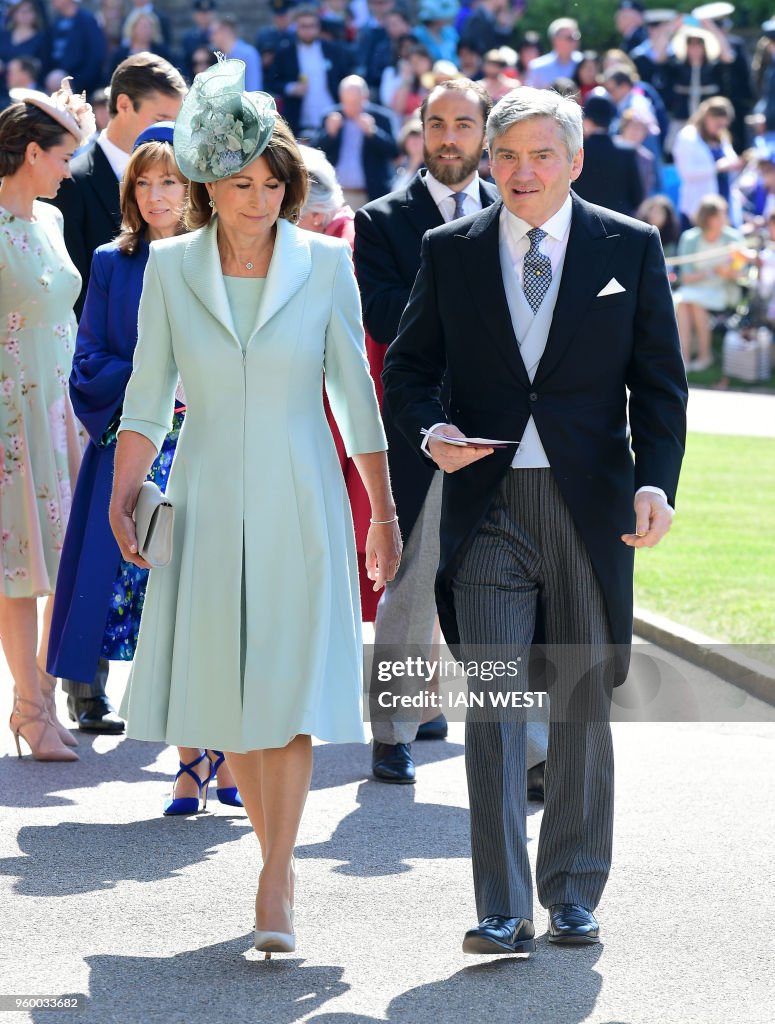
102, 365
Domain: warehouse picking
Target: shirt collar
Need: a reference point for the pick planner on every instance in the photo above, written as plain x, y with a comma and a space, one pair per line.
440, 192
117, 158
556, 227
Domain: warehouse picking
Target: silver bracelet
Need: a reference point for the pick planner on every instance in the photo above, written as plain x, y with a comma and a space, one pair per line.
383, 522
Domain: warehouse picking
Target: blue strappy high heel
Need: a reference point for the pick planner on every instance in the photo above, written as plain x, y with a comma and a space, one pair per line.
189, 804
228, 795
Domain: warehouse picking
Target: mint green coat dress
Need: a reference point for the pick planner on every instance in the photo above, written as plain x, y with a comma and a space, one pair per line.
252, 634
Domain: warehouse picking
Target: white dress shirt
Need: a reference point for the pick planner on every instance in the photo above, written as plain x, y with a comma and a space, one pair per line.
116, 157
317, 100
442, 197
514, 233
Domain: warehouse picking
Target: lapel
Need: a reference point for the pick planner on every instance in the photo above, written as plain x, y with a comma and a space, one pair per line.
419, 208
202, 273
105, 184
488, 194
289, 268
480, 254
585, 271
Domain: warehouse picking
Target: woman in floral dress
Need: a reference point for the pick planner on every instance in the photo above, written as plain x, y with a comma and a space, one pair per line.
40, 439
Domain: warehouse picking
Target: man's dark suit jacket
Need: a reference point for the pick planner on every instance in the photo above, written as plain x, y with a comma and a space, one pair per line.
599, 346
388, 239
610, 176
379, 150
90, 205
482, 32
285, 69
84, 51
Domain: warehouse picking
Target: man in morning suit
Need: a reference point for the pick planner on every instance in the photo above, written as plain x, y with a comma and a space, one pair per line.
144, 89
388, 234
570, 308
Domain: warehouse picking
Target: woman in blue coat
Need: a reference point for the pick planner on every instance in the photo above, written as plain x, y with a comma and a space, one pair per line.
99, 596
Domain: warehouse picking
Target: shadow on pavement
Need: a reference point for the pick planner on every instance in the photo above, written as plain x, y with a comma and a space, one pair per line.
383, 814
212, 985
337, 764
28, 783
71, 858
553, 987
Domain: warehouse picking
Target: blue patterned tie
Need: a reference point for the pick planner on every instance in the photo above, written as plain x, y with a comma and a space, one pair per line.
536, 270
460, 198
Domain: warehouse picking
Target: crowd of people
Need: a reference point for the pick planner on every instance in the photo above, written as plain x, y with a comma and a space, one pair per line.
206, 274
681, 107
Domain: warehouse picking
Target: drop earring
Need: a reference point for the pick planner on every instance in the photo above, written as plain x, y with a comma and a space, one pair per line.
212, 204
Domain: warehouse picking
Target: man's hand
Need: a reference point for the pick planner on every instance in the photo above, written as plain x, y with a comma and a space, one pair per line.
333, 123
367, 124
653, 518
452, 457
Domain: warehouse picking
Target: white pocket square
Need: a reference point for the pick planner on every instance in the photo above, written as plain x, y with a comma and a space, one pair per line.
612, 288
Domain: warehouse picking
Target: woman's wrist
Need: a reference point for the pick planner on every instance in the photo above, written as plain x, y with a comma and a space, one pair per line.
383, 521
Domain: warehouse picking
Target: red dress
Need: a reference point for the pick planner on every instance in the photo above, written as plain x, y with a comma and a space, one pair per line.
343, 226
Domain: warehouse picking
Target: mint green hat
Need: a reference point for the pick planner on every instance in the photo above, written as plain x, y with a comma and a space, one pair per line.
221, 128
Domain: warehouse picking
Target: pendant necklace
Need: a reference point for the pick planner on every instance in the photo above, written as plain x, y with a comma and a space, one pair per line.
248, 266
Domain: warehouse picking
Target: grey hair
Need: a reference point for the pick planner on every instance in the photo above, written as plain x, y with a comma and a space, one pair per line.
525, 103
559, 24
354, 82
325, 193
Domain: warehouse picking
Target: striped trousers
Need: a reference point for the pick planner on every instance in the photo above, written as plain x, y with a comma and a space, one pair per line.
528, 552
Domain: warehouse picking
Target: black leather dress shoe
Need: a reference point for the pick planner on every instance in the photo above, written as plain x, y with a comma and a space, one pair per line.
496, 934
436, 729
573, 925
94, 714
535, 783
392, 762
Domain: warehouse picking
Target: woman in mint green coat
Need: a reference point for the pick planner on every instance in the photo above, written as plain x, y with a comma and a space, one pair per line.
250, 637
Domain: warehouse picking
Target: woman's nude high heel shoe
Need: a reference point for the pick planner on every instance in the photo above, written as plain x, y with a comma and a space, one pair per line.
274, 942
277, 942
46, 745
48, 685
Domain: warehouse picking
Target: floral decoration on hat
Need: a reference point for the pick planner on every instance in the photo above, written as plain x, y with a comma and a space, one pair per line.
221, 128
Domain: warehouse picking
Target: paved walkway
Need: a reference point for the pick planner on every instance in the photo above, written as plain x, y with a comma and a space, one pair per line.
731, 412
150, 917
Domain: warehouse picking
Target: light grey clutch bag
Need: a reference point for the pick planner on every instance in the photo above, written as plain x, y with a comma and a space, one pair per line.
154, 518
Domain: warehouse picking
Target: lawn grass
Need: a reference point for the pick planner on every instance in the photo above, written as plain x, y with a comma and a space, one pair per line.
715, 570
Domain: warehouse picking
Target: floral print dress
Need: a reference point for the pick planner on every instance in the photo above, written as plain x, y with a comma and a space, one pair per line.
40, 439
122, 627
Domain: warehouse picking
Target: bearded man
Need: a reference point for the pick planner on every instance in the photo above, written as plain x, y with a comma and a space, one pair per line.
388, 237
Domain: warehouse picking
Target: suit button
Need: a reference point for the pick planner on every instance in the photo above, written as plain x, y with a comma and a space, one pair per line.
533, 396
